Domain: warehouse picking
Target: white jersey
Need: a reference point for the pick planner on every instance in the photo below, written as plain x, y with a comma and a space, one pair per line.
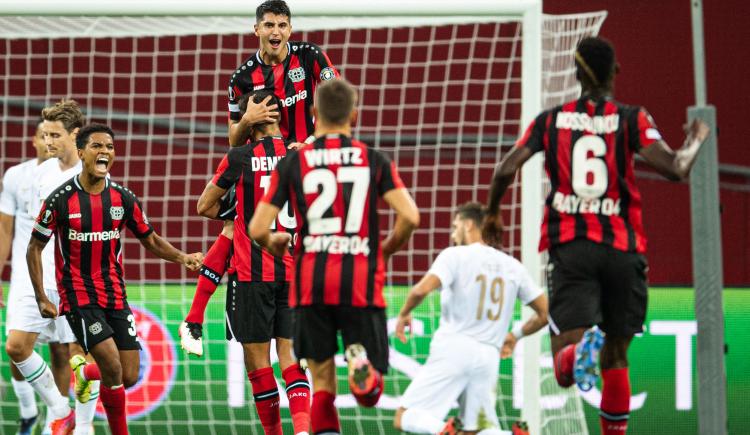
479, 287
49, 176
15, 200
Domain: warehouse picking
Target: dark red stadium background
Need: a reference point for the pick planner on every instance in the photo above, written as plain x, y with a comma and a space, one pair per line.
653, 45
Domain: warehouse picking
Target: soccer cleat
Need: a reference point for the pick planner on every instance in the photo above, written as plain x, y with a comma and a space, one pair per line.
586, 365
362, 376
65, 425
83, 386
191, 338
449, 428
26, 425
520, 428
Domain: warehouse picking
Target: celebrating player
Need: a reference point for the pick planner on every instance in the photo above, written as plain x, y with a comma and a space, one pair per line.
333, 185
592, 224
257, 298
16, 222
86, 214
479, 286
292, 70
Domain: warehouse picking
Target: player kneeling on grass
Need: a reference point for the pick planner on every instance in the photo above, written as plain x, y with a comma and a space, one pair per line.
333, 185
478, 289
86, 215
258, 293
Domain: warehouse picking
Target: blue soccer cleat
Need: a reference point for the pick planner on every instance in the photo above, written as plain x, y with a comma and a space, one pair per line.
586, 366
26, 425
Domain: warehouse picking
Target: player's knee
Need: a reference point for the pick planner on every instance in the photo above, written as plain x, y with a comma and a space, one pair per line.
129, 378
16, 350
111, 372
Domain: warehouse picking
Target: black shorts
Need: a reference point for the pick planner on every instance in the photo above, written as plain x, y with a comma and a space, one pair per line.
258, 311
92, 325
315, 330
594, 284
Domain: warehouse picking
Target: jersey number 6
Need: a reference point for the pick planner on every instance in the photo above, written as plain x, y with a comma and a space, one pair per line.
583, 165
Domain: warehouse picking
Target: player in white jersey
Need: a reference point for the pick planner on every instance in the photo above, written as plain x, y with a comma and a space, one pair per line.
479, 286
15, 229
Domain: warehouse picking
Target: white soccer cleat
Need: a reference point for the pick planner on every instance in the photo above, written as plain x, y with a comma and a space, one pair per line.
191, 338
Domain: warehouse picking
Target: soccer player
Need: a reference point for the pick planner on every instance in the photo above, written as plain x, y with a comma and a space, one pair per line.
16, 222
86, 214
592, 224
257, 298
292, 70
478, 289
333, 186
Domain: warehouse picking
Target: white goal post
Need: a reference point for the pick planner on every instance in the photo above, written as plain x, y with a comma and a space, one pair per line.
543, 65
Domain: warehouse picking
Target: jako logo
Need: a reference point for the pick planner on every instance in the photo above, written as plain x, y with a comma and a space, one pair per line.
158, 367
289, 101
101, 236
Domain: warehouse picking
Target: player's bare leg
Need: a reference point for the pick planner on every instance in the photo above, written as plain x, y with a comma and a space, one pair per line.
297, 386
615, 404
214, 266
323, 412
112, 390
87, 391
365, 382
20, 349
27, 408
265, 390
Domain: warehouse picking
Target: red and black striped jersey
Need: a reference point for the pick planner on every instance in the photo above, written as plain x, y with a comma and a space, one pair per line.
589, 147
293, 81
249, 169
88, 254
333, 186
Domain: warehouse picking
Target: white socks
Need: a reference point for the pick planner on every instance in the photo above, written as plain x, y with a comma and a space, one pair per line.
419, 421
85, 411
39, 376
26, 400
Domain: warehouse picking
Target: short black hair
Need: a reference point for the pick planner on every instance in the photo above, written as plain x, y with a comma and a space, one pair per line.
276, 7
86, 131
595, 60
473, 211
335, 101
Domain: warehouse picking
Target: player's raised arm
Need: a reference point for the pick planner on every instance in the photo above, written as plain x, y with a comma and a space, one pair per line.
674, 165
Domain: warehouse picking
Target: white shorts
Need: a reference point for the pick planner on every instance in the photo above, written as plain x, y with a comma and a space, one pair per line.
23, 315
458, 368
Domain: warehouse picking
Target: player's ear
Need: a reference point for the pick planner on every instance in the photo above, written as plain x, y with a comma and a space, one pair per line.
74, 133
255, 28
353, 116
80, 153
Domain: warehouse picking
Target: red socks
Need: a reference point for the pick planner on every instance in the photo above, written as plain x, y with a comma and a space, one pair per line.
370, 398
563, 363
324, 415
91, 372
113, 400
615, 406
266, 395
298, 393
214, 265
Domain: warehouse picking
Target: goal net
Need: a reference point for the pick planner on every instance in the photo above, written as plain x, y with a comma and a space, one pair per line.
443, 95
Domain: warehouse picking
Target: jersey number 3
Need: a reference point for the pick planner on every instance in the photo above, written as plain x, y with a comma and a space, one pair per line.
327, 181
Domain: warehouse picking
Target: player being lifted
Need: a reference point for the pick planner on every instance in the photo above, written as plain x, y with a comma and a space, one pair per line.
293, 70
333, 186
478, 289
86, 215
592, 224
258, 292
16, 222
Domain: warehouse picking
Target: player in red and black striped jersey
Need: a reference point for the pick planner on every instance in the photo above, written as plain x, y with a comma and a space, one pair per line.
592, 223
333, 186
292, 69
86, 215
257, 297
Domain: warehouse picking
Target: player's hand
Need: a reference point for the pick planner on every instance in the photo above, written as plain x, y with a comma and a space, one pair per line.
402, 323
193, 261
258, 113
697, 130
508, 345
278, 243
46, 308
492, 230
295, 145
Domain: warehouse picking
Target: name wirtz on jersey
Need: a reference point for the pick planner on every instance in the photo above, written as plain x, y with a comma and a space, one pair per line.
333, 156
